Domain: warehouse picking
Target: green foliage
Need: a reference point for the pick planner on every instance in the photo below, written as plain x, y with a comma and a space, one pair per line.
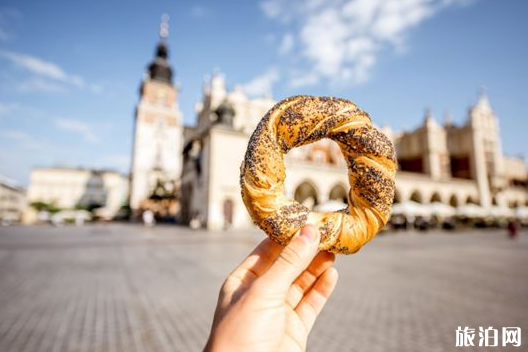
43, 206
89, 207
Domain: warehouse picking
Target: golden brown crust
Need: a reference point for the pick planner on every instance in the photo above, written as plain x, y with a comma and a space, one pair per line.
371, 162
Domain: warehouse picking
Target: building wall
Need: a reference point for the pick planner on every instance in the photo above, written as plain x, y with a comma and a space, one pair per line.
248, 111
12, 201
421, 188
515, 169
117, 187
513, 197
227, 148
451, 164
322, 178
195, 184
436, 155
67, 188
158, 140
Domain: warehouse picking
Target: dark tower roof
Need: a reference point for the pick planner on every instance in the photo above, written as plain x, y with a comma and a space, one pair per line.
225, 113
159, 69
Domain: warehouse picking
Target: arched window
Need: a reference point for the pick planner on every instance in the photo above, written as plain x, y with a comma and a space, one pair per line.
306, 194
453, 201
416, 196
514, 204
436, 197
338, 192
397, 196
471, 200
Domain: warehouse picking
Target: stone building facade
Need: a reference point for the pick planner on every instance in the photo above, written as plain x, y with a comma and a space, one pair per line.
213, 152
193, 172
158, 137
444, 163
465, 163
70, 188
12, 200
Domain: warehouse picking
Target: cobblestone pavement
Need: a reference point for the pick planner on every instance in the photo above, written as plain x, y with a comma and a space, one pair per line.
128, 288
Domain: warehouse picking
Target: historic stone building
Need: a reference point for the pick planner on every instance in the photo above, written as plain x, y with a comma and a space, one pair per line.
70, 188
12, 200
213, 152
462, 164
158, 136
193, 172
451, 164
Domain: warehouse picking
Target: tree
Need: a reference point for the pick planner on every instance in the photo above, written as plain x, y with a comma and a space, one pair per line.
43, 206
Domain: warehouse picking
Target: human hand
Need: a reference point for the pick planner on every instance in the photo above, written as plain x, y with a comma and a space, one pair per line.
270, 302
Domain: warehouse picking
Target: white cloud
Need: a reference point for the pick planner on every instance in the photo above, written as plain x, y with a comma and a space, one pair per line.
286, 44
40, 85
79, 127
22, 114
50, 77
21, 139
323, 36
7, 16
272, 8
41, 67
7, 108
262, 85
199, 11
340, 40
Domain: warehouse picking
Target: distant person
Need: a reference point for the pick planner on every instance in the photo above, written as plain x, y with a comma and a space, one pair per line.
56, 219
79, 219
512, 229
148, 218
270, 302
196, 222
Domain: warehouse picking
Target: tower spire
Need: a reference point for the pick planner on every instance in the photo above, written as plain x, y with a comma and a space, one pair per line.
160, 69
164, 26
483, 101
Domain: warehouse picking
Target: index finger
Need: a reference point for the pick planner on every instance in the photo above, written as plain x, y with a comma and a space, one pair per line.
259, 260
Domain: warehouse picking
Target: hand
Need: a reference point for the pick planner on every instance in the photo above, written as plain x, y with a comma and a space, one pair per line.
270, 302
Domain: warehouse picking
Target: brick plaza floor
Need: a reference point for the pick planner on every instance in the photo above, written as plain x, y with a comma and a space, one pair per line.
128, 288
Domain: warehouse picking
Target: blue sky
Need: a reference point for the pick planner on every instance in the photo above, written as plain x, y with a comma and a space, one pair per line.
70, 70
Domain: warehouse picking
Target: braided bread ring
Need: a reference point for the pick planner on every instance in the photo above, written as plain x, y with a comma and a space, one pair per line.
369, 154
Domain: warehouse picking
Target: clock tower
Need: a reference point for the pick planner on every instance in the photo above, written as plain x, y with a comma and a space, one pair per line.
158, 137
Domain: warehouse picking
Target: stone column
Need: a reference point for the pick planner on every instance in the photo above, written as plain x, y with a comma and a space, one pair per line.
478, 166
435, 148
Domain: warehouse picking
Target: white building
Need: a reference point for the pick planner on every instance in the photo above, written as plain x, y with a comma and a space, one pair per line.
70, 188
194, 171
12, 200
158, 134
451, 164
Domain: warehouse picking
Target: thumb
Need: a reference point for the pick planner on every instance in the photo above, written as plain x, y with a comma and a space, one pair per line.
294, 258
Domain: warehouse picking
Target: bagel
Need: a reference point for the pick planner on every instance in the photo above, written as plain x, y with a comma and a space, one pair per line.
369, 155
